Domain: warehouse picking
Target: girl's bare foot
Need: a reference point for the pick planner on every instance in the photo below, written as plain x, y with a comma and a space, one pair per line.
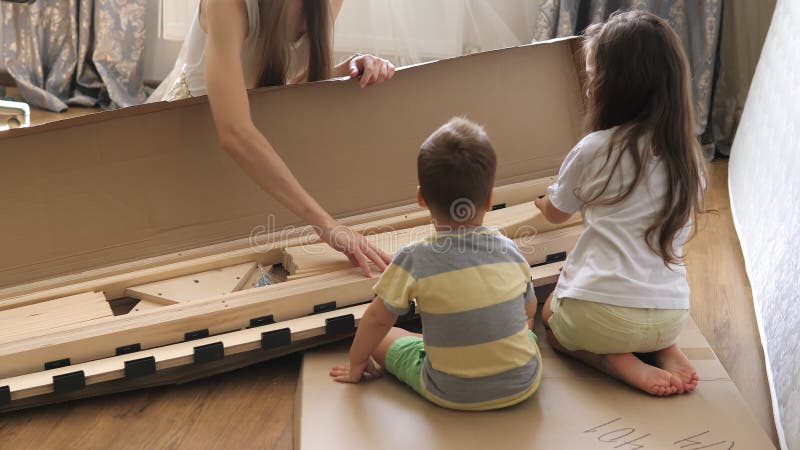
633, 371
675, 362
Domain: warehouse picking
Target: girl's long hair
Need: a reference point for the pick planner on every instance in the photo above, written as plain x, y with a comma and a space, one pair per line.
640, 83
275, 41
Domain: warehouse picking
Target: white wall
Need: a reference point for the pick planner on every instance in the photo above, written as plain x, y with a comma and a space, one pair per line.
2, 60
159, 54
764, 186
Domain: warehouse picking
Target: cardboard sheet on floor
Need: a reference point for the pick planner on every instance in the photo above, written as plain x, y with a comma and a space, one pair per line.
575, 407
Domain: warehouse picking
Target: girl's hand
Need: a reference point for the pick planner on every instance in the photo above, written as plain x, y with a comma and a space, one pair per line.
373, 70
353, 373
358, 249
539, 202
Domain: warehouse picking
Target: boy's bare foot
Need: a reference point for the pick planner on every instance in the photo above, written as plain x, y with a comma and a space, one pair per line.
633, 371
675, 362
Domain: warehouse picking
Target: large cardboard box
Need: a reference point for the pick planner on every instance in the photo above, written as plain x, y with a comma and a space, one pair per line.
575, 408
144, 181
120, 199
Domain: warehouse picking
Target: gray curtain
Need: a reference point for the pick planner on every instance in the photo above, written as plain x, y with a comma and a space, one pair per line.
744, 28
697, 22
76, 52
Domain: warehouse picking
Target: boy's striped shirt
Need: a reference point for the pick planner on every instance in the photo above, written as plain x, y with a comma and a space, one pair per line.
471, 288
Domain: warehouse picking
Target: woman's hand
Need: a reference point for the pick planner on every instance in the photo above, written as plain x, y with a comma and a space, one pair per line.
354, 373
356, 247
373, 70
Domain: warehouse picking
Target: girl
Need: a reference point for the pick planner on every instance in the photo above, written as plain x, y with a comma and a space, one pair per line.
235, 45
637, 177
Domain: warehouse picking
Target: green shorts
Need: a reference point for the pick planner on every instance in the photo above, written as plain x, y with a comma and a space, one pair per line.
604, 329
405, 358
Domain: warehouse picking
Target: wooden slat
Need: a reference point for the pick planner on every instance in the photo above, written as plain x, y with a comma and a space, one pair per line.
174, 355
70, 302
145, 305
515, 221
191, 287
98, 338
181, 354
115, 279
63, 312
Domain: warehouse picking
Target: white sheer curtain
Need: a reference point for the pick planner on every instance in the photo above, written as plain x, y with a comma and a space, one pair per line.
413, 31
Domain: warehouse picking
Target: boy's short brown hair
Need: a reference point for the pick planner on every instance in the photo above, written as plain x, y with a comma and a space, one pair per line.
456, 168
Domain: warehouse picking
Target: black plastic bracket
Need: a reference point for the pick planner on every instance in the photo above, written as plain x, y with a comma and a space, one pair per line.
141, 367
276, 338
127, 349
56, 364
410, 315
324, 307
498, 206
208, 353
195, 335
69, 382
337, 326
5, 395
553, 258
261, 321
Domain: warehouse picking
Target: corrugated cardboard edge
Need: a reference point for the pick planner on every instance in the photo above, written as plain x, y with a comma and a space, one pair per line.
148, 108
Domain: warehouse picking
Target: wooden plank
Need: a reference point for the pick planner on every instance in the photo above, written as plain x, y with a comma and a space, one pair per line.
181, 354
191, 287
546, 274
36, 319
515, 222
98, 338
175, 355
146, 305
267, 250
70, 302
176, 376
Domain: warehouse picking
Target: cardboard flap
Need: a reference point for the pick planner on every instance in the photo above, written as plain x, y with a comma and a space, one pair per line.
143, 181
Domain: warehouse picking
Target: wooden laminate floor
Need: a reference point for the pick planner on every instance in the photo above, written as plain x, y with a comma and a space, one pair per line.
253, 407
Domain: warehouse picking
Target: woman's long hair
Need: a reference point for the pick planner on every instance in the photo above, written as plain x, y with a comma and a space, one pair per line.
275, 41
640, 82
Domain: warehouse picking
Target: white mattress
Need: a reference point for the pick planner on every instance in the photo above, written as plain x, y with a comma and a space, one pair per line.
765, 197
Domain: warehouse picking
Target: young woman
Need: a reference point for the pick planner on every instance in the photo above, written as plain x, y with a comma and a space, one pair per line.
638, 179
235, 45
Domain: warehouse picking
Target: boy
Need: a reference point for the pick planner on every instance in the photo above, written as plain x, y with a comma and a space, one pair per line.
472, 286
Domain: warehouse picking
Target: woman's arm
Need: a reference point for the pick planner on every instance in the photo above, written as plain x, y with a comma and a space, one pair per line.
227, 94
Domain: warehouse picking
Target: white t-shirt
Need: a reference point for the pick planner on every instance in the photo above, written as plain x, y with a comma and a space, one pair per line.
611, 262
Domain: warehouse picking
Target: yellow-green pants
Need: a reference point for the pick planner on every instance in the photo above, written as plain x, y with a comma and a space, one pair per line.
604, 329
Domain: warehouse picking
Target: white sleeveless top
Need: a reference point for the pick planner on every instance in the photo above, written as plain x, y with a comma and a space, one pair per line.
187, 78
